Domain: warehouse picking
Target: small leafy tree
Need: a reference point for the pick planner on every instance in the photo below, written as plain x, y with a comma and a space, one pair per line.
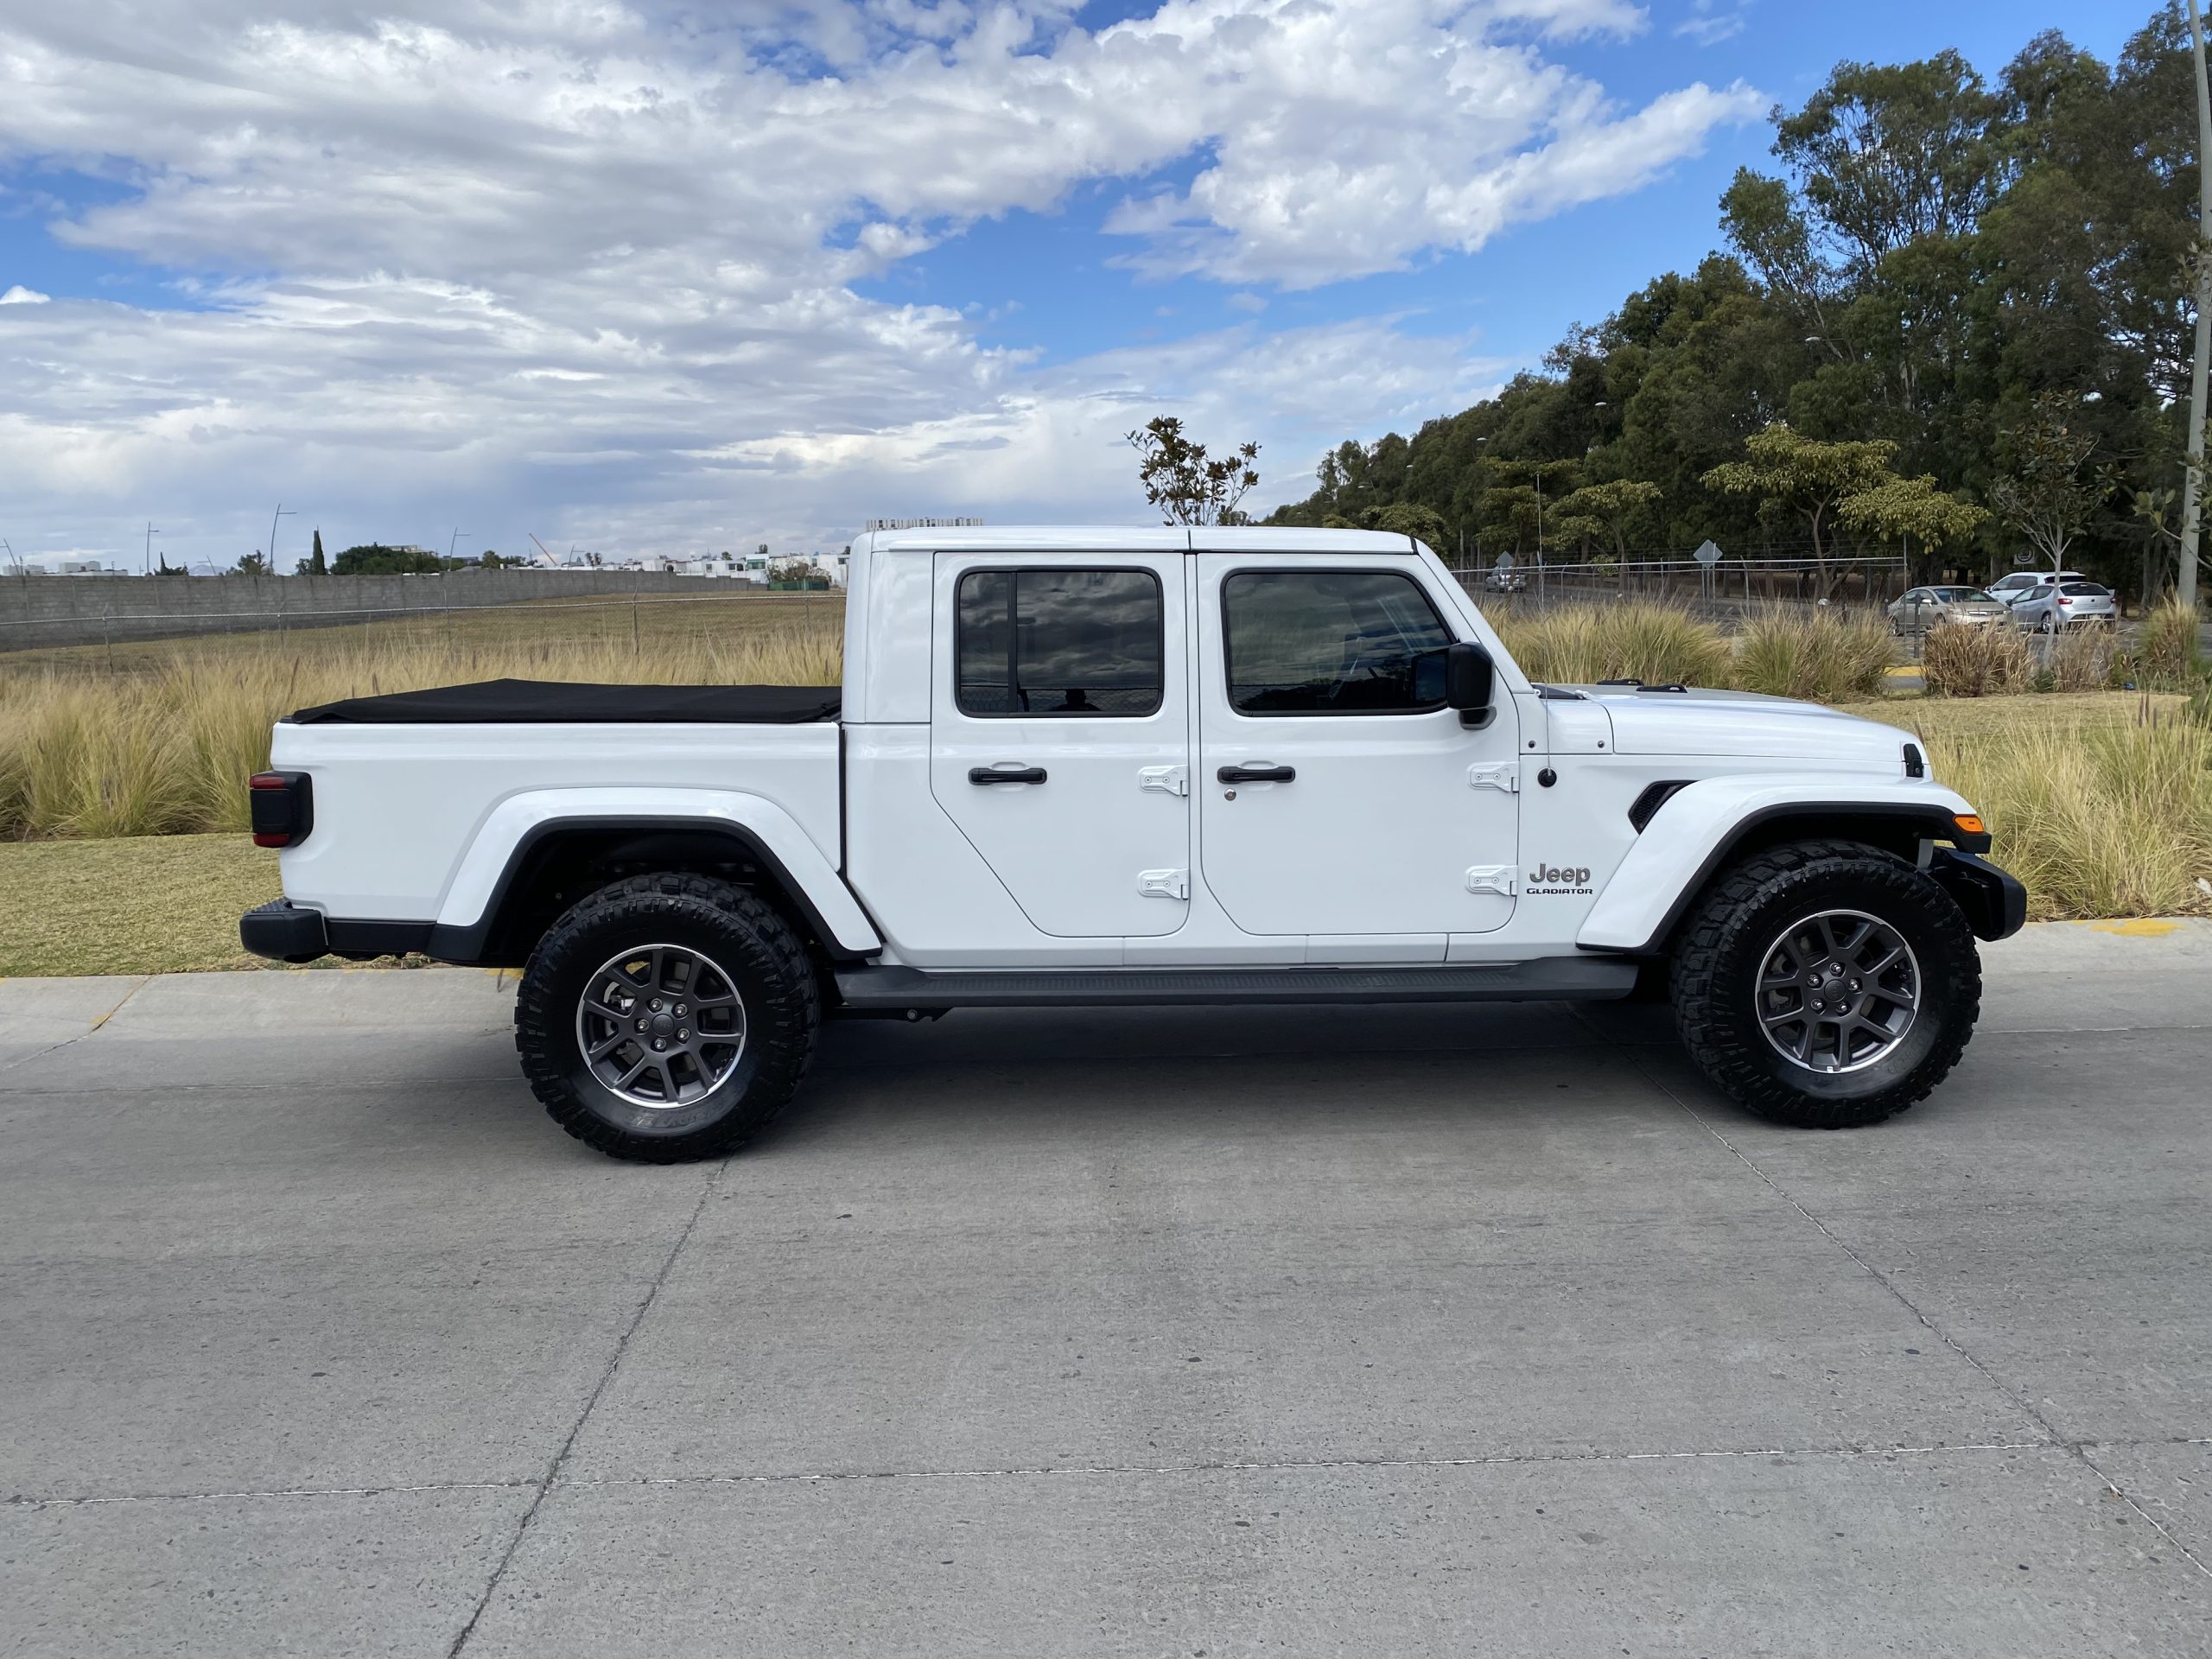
1906, 509
1180, 480
317, 566
2049, 493
1790, 473
1611, 509
1410, 518
254, 563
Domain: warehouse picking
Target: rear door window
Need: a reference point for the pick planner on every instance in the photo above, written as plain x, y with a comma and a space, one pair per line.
1056, 641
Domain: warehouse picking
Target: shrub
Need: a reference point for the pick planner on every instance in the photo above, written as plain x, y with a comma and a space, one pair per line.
1578, 644
2170, 655
2081, 660
2098, 820
1956, 662
1826, 656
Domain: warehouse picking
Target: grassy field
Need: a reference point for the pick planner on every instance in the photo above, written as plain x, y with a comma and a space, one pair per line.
165, 748
117, 780
603, 629
141, 905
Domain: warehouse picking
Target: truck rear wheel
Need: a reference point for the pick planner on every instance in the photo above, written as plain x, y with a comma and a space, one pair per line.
667, 1017
1826, 985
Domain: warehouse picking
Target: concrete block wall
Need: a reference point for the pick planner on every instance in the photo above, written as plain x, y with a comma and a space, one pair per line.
46, 610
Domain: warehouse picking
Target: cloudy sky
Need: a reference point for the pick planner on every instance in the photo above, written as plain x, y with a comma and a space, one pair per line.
649, 278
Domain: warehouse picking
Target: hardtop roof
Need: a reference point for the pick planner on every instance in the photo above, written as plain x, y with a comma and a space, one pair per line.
1126, 538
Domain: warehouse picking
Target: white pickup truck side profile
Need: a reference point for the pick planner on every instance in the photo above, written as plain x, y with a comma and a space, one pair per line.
1136, 766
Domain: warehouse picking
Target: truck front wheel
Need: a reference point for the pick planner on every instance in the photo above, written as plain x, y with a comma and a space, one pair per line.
1826, 985
666, 1017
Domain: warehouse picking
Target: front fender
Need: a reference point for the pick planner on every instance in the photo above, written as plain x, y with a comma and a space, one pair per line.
1699, 825
510, 828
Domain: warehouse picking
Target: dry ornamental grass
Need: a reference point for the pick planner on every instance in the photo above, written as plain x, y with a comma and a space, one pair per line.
2102, 805
167, 750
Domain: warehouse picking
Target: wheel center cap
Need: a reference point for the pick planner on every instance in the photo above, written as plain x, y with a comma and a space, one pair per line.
663, 1025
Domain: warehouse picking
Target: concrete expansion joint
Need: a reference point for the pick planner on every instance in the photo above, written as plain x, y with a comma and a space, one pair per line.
137, 985
2079, 1450
545, 1483
1197, 1466
65, 1500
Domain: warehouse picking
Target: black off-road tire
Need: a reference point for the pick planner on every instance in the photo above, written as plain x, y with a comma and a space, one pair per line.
763, 959
1737, 919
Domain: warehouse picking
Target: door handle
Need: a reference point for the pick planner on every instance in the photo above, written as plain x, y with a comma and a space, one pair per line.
1257, 774
1006, 774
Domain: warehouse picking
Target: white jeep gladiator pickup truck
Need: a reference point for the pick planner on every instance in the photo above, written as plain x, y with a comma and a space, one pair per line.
1135, 765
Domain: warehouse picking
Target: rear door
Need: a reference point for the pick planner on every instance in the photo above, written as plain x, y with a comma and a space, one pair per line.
1060, 733
1340, 799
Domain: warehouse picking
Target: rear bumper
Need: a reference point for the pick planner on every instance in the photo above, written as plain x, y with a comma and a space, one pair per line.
285, 931
1995, 904
282, 932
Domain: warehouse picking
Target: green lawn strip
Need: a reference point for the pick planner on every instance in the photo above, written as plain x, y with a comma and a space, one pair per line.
144, 905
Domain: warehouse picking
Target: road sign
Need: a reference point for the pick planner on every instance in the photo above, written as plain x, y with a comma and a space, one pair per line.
1707, 555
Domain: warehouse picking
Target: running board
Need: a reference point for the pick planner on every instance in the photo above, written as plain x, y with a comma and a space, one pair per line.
1564, 979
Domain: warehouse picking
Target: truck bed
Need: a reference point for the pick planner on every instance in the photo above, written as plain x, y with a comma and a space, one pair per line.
553, 703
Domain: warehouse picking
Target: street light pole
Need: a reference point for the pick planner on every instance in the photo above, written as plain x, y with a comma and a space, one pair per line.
146, 565
282, 511
2185, 578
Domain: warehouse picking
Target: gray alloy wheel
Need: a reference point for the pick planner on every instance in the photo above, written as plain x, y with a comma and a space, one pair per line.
662, 1025
1838, 991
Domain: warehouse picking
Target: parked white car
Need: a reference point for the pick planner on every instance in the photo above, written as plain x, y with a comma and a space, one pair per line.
2051, 608
1122, 766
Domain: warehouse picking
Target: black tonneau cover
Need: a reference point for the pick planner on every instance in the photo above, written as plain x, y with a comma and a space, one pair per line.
552, 702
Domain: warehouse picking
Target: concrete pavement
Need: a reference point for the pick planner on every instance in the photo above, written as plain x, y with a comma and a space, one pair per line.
1315, 1331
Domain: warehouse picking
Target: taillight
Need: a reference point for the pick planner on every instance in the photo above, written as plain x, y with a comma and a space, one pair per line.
2064, 600
283, 807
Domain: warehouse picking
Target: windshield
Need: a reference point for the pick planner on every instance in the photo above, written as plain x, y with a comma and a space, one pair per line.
2085, 590
1963, 596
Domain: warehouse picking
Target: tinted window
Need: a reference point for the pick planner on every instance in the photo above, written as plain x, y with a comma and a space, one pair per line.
1332, 642
1059, 642
2086, 590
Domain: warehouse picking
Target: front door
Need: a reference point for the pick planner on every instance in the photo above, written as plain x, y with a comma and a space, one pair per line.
1060, 734
1340, 797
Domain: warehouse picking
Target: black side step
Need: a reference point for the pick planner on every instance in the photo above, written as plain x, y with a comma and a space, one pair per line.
1552, 978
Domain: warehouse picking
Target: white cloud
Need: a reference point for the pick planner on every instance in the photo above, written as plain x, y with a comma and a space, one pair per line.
1712, 22
577, 259
21, 296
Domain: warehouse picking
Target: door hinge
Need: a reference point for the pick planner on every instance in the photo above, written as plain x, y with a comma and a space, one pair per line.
1505, 775
1491, 878
1164, 884
1168, 781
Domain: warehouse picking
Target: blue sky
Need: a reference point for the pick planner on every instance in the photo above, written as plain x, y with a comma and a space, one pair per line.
606, 276
1049, 281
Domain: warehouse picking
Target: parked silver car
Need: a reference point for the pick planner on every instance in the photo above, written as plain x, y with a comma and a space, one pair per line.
2052, 607
1924, 607
2011, 589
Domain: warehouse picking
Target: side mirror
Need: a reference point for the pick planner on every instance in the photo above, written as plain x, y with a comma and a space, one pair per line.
1468, 674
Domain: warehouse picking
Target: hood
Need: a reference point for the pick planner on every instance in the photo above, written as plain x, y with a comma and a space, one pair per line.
1744, 722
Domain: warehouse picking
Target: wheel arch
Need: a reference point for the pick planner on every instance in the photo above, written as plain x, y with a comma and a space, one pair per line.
519, 875
1701, 830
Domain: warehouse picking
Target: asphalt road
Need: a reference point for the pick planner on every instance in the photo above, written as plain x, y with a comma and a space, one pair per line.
1412, 1332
